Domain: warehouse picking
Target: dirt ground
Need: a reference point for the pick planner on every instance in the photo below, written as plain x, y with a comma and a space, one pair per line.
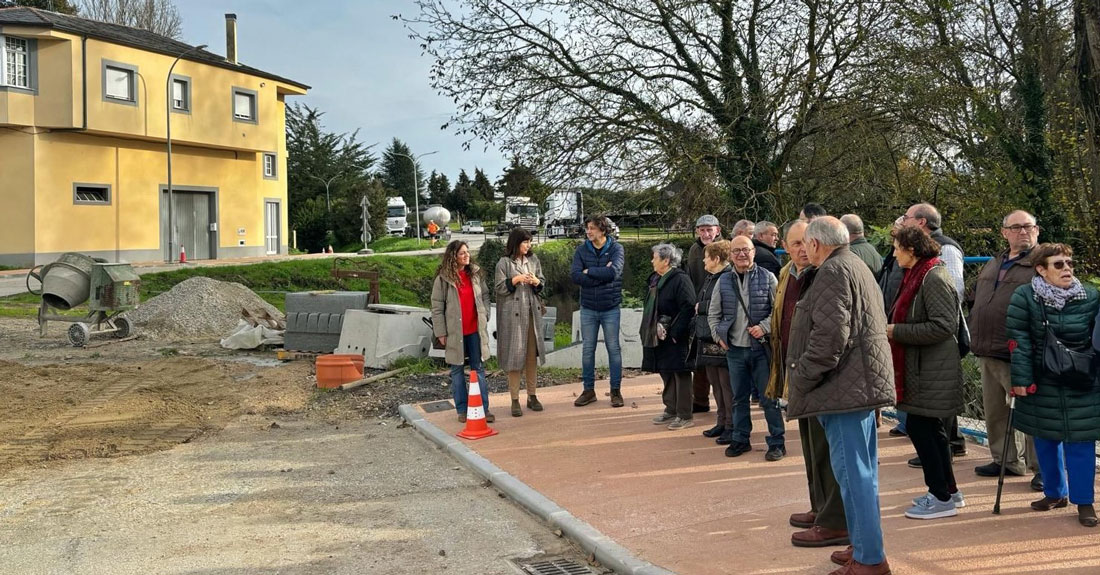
119, 398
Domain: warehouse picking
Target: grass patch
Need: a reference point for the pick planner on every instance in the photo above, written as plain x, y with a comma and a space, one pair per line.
399, 244
416, 365
405, 280
563, 335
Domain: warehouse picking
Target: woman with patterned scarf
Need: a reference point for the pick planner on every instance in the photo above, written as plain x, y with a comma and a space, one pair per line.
927, 376
1061, 412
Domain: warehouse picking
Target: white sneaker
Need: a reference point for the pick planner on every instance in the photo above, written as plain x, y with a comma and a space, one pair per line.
679, 423
664, 419
928, 507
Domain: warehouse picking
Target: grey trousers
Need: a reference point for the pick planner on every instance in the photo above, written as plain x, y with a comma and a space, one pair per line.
677, 393
996, 383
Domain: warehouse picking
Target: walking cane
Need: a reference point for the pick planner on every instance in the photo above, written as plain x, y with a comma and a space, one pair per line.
1004, 455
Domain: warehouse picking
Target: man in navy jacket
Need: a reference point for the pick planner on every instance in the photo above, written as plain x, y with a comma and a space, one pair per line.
598, 270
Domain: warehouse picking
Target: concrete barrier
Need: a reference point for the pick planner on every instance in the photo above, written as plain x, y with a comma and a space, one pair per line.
385, 332
630, 321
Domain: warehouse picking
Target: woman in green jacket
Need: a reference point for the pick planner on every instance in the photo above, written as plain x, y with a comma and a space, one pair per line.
927, 375
1063, 418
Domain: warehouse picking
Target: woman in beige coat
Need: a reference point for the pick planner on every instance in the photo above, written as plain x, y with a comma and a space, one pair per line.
460, 312
518, 280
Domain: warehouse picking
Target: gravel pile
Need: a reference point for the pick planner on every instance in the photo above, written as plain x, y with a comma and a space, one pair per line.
198, 307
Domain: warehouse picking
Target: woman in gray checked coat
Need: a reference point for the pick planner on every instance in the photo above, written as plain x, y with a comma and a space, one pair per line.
518, 281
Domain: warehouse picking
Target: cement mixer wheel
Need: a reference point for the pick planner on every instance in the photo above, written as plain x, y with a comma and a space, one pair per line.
124, 327
79, 334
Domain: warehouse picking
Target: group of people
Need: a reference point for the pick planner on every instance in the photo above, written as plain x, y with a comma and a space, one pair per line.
834, 335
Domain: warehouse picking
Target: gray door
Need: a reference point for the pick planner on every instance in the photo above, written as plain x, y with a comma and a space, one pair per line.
193, 216
271, 227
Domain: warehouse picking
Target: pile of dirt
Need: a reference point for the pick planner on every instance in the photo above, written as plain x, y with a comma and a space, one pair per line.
198, 307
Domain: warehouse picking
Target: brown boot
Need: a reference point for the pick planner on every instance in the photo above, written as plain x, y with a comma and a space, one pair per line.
1086, 515
842, 557
516, 410
856, 568
818, 536
803, 520
533, 403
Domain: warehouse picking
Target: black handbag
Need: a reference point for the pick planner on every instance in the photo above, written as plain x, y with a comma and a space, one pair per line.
1073, 364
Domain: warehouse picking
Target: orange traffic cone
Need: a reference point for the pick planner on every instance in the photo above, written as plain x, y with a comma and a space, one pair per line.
183, 255
476, 427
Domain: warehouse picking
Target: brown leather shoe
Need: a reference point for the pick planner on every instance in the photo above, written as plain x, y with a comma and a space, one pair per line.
818, 536
1048, 503
803, 520
856, 568
842, 557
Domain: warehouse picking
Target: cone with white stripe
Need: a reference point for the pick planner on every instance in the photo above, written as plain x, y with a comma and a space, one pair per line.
476, 426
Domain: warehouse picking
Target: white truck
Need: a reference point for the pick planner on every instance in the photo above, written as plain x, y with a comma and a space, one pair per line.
519, 212
397, 216
563, 214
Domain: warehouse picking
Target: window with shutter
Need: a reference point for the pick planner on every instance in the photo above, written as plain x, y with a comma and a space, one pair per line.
120, 84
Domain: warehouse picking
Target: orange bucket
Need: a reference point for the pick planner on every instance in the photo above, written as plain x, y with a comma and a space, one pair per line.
335, 370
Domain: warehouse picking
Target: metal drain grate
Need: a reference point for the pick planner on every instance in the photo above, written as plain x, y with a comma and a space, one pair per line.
437, 406
555, 567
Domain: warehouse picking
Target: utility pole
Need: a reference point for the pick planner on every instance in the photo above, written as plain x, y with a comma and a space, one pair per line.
416, 187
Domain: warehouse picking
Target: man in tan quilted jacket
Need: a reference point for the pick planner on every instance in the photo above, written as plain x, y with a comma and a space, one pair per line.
839, 370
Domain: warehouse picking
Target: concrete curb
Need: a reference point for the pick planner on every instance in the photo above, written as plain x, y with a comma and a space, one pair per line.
609, 553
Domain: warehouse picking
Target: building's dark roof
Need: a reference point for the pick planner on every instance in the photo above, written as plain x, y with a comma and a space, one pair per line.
133, 37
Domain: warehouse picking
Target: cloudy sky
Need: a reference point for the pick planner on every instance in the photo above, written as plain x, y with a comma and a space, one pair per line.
366, 73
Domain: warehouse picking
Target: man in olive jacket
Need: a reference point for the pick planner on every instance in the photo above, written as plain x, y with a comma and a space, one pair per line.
840, 370
998, 279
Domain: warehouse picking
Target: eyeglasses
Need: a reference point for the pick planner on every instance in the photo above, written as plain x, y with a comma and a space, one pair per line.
736, 251
1026, 228
1061, 264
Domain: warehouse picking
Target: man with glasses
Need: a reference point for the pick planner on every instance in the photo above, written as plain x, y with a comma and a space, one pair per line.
739, 316
998, 279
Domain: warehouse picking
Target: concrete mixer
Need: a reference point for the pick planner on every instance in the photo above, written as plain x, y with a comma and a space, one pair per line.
109, 289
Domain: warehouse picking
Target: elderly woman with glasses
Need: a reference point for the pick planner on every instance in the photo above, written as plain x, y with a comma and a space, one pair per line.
665, 331
1057, 406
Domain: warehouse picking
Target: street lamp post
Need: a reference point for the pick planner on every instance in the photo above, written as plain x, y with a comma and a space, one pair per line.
328, 202
168, 138
416, 187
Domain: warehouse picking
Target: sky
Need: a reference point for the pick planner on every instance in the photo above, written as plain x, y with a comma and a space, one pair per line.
365, 72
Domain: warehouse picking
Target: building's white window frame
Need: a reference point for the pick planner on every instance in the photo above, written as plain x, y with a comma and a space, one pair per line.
131, 71
254, 106
270, 166
183, 107
18, 60
85, 194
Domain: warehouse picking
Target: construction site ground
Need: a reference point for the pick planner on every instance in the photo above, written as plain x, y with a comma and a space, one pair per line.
148, 456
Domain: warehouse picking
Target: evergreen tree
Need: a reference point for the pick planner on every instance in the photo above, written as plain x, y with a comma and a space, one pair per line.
519, 179
461, 197
482, 189
316, 156
438, 188
398, 173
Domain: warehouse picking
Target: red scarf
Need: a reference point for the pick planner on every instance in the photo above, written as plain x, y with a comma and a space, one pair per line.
910, 284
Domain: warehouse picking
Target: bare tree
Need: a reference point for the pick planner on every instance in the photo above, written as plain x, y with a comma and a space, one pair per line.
158, 16
625, 93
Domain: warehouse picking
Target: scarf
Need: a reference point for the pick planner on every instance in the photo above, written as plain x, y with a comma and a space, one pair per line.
648, 330
1054, 296
911, 283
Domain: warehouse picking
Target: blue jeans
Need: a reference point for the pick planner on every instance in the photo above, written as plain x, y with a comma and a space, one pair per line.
749, 370
471, 346
853, 451
1060, 461
591, 322
902, 418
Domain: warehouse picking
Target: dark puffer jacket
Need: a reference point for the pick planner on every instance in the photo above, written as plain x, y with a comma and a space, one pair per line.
933, 374
602, 286
675, 299
838, 359
1054, 411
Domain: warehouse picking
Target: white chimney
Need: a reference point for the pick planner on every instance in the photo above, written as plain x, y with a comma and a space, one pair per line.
231, 38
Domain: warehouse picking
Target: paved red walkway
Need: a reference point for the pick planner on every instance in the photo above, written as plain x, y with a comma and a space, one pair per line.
675, 500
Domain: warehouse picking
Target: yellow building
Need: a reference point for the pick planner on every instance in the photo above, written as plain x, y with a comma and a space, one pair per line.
84, 111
